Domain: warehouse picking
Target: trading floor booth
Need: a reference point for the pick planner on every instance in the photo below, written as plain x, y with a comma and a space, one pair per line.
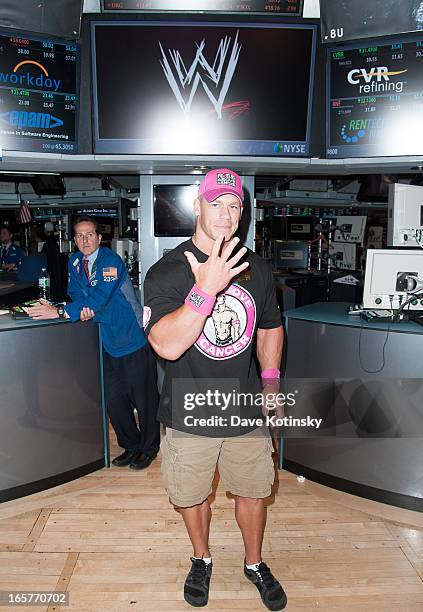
363, 378
53, 426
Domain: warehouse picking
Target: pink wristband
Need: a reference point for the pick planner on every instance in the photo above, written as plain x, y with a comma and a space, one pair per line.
200, 301
271, 373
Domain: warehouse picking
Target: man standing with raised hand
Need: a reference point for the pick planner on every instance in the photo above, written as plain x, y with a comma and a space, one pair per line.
182, 291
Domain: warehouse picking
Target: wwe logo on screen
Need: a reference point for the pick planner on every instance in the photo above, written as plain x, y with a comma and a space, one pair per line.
219, 74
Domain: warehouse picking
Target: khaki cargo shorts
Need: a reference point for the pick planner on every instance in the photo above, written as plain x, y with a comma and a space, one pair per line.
189, 462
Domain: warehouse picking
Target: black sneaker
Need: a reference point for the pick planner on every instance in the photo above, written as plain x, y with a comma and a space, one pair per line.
196, 587
272, 594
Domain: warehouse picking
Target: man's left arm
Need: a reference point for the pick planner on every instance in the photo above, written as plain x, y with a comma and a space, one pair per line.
269, 348
270, 331
270, 338
269, 354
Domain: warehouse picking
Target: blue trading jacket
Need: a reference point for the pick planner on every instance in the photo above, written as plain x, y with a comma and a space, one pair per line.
109, 293
14, 255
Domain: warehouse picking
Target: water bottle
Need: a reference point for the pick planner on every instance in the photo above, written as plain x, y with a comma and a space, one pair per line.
44, 284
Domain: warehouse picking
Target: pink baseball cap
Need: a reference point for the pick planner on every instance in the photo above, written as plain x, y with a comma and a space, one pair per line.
220, 182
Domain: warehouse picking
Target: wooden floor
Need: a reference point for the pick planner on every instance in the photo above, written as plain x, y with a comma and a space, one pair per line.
114, 542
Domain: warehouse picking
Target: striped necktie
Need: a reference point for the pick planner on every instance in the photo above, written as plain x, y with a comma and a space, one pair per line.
87, 272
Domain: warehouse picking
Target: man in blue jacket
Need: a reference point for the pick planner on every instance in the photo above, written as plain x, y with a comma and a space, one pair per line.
10, 255
100, 288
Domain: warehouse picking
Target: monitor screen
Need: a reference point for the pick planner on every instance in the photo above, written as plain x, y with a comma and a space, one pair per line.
375, 100
350, 229
292, 227
60, 18
344, 20
278, 7
174, 209
202, 88
290, 255
343, 256
300, 227
39, 81
386, 278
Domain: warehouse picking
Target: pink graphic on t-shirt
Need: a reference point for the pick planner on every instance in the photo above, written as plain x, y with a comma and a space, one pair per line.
229, 329
146, 315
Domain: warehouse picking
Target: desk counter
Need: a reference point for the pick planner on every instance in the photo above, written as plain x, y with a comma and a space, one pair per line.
370, 392
51, 408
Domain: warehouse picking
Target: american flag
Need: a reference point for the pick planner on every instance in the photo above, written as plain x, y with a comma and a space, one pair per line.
24, 213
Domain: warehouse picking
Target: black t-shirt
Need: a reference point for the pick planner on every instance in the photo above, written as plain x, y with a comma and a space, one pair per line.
223, 355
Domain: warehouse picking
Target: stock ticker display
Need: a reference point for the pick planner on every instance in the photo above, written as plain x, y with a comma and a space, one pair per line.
375, 100
38, 94
281, 7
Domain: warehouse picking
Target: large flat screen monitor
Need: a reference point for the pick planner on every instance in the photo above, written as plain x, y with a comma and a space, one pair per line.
174, 209
375, 100
60, 18
344, 20
202, 88
39, 80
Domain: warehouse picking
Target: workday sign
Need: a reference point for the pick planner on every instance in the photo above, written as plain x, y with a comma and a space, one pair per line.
26, 79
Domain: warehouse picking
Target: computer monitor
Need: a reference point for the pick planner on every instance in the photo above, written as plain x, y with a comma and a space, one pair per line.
300, 227
385, 282
405, 215
292, 227
344, 256
350, 229
174, 209
290, 255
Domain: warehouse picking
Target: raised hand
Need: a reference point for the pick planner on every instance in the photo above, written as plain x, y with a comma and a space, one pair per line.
214, 275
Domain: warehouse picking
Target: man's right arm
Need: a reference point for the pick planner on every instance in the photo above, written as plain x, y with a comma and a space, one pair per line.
175, 326
176, 332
